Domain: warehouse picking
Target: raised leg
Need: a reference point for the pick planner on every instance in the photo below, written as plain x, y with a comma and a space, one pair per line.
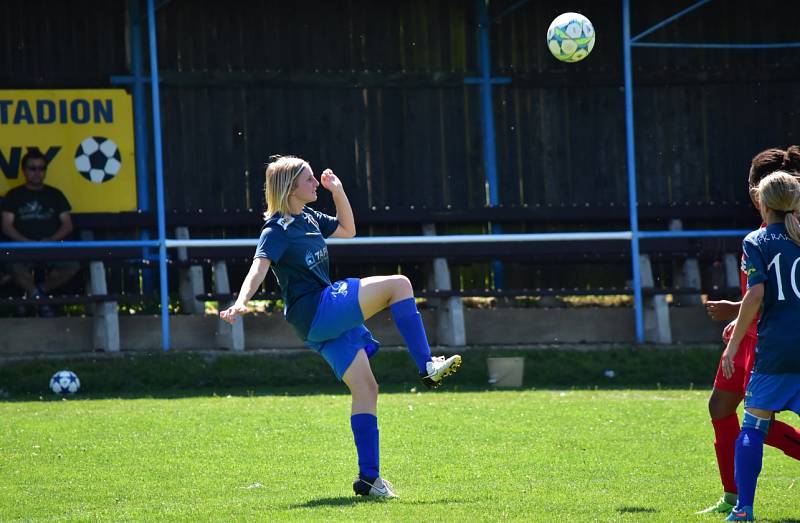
379, 292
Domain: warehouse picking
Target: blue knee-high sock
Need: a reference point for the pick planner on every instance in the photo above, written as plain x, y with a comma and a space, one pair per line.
747, 462
365, 434
409, 323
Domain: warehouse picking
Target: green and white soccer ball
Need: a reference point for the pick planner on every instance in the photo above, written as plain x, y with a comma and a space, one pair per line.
570, 37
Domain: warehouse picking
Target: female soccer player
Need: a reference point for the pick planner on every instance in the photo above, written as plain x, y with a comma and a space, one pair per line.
728, 392
329, 317
771, 256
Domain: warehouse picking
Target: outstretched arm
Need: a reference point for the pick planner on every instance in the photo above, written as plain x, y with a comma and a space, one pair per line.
344, 213
722, 310
256, 275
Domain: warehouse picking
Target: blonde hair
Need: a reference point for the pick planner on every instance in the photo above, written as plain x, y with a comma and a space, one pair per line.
780, 192
282, 173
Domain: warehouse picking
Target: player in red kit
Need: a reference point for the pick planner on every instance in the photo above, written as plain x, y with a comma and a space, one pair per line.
728, 392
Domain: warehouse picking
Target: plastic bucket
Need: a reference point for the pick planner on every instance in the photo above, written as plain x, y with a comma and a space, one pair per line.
506, 372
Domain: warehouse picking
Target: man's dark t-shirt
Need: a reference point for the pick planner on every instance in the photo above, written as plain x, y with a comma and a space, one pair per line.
36, 213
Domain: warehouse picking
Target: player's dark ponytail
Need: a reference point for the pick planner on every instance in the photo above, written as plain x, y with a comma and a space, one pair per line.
765, 163
791, 159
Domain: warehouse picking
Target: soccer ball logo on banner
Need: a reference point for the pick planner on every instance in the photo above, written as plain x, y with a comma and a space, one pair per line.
570, 37
98, 159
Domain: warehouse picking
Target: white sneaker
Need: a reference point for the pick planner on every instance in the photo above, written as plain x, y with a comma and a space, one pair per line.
379, 488
439, 368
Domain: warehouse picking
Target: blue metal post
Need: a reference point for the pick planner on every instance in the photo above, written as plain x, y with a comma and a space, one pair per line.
669, 20
636, 40
487, 111
157, 152
139, 127
631, 164
487, 124
139, 113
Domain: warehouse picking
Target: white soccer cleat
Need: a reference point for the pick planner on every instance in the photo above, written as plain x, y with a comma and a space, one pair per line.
438, 368
379, 487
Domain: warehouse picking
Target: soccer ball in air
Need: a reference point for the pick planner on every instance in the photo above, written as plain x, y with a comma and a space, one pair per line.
97, 159
570, 37
65, 382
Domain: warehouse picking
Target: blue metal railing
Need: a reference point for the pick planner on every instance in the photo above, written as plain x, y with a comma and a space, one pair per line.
157, 152
628, 42
630, 140
101, 244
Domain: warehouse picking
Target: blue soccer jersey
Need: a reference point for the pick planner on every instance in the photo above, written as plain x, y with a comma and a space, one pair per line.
772, 258
299, 255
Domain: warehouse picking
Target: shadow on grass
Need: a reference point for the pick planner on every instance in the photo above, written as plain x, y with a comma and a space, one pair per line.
340, 501
636, 510
303, 390
217, 392
302, 372
343, 501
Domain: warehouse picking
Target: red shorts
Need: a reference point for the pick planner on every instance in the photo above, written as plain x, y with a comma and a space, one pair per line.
743, 366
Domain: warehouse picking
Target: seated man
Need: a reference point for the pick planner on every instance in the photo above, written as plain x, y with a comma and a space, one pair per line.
37, 212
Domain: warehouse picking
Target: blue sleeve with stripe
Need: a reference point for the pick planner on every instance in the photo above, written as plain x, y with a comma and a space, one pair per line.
755, 268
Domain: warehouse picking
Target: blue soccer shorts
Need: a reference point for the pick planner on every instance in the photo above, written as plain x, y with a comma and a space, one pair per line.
337, 331
775, 392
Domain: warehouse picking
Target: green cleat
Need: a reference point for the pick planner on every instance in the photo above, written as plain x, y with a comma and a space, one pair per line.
720, 507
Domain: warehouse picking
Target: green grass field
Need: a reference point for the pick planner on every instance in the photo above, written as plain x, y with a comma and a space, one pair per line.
627, 455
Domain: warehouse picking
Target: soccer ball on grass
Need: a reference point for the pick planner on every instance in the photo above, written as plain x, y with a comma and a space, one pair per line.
65, 382
570, 37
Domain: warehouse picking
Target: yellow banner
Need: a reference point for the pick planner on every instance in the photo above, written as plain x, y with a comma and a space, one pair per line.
87, 137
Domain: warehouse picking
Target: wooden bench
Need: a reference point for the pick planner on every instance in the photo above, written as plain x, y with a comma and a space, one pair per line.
197, 266
689, 252
103, 304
